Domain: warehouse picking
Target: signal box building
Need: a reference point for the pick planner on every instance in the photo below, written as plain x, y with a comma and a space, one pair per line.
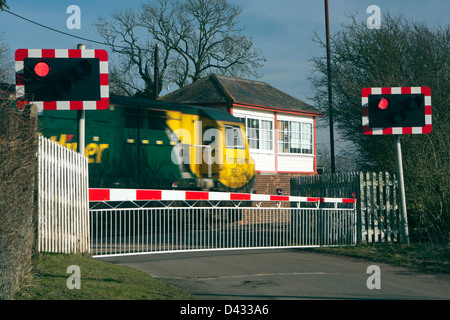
281, 129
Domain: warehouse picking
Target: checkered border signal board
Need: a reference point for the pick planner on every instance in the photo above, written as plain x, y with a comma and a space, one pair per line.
102, 55
396, 130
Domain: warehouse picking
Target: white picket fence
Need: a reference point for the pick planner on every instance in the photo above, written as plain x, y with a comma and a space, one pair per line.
63, 199
377, 194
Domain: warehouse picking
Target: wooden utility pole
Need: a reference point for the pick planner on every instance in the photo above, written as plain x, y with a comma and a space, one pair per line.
156, 71
330, 102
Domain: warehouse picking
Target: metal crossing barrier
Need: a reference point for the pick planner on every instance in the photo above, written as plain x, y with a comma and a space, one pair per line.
129, 221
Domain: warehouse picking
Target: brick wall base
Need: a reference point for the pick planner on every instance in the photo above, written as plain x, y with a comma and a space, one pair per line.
269, 183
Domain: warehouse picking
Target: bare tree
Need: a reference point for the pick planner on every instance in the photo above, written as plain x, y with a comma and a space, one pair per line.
345, 162
6, 65
3, 5
196, 38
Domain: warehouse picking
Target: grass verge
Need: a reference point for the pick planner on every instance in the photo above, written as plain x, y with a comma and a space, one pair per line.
420, 257
105, 281
99, 281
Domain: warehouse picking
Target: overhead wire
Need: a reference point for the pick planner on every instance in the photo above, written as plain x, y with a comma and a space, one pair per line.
64, 33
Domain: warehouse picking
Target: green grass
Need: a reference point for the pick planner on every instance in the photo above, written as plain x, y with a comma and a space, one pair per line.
421, 257
99, 281
105, 281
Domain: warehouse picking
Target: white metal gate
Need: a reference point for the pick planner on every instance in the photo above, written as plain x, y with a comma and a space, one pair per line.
153, 221
63, 211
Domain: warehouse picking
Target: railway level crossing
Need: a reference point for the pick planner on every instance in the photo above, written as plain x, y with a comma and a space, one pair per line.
129, 221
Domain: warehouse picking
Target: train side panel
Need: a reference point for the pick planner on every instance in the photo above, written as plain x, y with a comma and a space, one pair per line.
119, 155
156, 146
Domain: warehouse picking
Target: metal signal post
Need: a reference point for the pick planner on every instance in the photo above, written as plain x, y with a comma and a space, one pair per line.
81, 116
399, 165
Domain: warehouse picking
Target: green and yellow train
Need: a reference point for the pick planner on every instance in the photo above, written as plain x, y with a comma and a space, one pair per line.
151, 144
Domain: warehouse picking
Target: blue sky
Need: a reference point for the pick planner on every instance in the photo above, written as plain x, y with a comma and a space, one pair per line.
282, 29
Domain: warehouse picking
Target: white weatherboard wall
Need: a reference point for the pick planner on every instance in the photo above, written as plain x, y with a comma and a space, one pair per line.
296, 162
63, 199
265, 160
272, 160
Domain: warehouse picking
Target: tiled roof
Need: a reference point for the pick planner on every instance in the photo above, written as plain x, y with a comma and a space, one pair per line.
221, 89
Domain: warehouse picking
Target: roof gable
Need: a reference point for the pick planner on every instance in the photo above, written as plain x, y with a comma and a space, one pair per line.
203, 91
216, 89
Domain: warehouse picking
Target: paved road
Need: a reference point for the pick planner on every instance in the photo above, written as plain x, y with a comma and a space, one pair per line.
285, 274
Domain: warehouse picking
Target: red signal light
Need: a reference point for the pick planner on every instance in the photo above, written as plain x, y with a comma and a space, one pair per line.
42, 69
383, 104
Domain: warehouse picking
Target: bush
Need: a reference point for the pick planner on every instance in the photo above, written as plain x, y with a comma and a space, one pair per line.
17, 205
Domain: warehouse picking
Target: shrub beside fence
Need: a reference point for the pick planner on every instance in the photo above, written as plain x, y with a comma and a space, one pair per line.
377, 195
17, 205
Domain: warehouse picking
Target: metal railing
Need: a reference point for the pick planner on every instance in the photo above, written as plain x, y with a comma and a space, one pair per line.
124, 225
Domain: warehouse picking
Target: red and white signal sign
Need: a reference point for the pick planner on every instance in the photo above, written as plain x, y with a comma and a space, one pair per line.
396, 110
96, 195
62, 79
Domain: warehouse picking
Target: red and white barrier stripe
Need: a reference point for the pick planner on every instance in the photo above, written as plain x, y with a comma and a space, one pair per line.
96, 195
394, 130
100, 54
